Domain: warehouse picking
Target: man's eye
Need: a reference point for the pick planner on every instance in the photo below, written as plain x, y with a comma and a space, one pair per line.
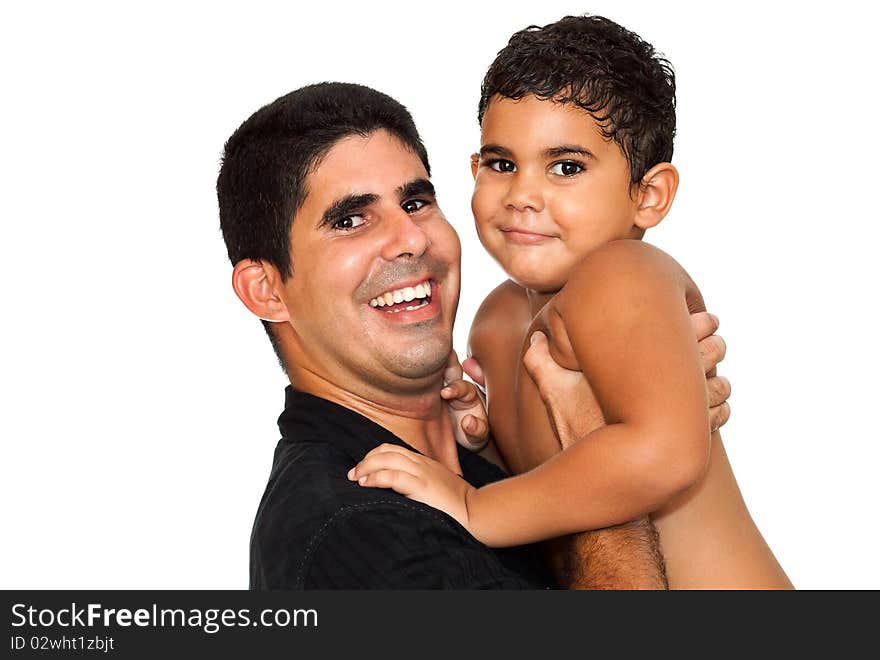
413, 205
566, 168
349, 222
501, 165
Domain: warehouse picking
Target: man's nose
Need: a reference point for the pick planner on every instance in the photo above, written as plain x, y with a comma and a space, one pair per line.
524, 192
406, 237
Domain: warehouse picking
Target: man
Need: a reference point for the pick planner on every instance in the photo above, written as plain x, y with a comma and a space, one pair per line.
326, 206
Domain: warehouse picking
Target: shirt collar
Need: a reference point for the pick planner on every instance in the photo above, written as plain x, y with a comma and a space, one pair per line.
310, 418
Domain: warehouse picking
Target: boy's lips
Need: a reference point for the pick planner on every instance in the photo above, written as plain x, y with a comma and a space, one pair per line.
523, 236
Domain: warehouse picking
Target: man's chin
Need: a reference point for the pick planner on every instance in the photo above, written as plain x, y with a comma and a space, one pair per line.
424, 361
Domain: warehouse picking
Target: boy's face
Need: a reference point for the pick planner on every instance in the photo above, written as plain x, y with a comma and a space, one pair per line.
548, 189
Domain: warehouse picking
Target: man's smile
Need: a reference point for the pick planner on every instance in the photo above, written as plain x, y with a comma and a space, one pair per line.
412, 303
394, 297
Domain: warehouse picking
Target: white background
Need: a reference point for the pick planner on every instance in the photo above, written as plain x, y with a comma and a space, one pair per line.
139, 398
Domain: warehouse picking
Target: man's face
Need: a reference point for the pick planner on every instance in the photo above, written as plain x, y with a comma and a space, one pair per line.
368, 237
549, 187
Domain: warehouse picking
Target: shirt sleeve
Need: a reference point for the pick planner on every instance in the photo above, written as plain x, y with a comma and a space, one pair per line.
401, 546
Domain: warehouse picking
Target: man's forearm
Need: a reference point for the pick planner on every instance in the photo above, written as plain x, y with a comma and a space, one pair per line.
623, 557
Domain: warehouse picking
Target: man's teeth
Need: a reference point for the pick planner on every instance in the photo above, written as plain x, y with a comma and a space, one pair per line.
405, 294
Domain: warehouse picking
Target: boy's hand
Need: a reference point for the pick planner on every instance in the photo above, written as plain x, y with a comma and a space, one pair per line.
712, 350
470, 423
473, 369
418, 477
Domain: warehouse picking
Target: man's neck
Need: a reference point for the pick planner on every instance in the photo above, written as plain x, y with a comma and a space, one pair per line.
421, 420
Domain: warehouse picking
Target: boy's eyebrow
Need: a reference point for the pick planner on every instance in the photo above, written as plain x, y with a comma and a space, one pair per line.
565, 149
552, 152
495, 150
416, 187
345, 206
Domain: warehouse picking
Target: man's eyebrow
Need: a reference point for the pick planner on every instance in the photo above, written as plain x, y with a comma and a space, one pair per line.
566, 149
495, 150
416, 187
345, 206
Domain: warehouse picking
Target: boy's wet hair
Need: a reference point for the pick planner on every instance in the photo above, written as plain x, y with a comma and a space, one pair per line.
601, 67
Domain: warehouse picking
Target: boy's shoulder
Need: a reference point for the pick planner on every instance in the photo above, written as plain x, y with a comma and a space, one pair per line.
631, 272
627, 251
623, 263
504, 311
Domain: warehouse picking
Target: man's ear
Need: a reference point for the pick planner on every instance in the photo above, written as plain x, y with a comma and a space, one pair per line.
256, 283
475, 164
656, 192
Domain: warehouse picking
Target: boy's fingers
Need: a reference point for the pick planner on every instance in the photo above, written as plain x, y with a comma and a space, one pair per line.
384, 461
475, 427
459, 394
719, 415
712, 351
473, 369
704, 324
402, 482
719, 390
453, 369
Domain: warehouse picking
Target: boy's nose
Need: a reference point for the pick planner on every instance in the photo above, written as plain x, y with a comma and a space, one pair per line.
524, 193
406, 237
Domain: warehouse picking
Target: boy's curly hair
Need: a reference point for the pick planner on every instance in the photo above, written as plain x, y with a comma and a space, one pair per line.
597, 65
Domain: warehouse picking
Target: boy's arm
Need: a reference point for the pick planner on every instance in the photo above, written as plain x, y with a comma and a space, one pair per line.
625, 314
502, 319
572, 417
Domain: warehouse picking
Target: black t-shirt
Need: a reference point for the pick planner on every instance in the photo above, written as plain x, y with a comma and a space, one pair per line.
315, 529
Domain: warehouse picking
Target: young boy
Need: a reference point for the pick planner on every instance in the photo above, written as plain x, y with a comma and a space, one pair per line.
577, 124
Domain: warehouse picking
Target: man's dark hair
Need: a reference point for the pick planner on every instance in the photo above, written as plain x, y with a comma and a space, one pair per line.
266, 162
601, 67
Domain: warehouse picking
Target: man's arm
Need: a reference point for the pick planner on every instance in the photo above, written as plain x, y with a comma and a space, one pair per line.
626, 556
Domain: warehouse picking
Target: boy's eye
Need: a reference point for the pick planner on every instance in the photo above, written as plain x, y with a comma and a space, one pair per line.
413, 205
566, 168
349, 222
501, 165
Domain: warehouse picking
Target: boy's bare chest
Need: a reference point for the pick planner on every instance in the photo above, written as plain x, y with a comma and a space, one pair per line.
519, 420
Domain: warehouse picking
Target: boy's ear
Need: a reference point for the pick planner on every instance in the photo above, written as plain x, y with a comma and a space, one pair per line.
255, 283
656, 192
475, 164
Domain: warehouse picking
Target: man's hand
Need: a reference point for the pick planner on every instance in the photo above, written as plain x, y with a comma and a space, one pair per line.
417, 477
712, 350
574, 411
470, 423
